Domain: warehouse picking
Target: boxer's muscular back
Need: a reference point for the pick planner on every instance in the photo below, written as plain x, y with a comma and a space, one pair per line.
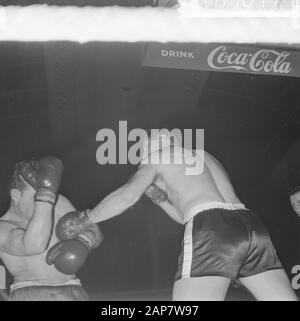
186, 191
221, 178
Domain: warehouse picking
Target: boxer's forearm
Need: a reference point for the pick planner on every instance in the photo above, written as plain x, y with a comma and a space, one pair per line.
38, 232
112, 205
30, 241
125, 196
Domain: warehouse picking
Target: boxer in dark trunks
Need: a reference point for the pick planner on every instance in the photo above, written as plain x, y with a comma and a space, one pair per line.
223, 240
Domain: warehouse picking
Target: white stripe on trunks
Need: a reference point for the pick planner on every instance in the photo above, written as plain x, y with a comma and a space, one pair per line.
187, 250
188, 232
25, 284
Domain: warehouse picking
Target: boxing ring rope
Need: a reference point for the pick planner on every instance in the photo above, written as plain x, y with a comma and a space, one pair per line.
85, 24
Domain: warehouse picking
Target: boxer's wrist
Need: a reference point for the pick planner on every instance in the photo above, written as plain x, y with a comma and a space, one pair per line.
45, 196
88, 238
85, 219
90, 218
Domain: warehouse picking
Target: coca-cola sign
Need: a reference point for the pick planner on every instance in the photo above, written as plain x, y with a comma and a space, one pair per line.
266, 60
260, 61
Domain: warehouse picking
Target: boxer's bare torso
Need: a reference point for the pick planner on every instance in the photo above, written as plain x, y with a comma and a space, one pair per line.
34, 267
187, 191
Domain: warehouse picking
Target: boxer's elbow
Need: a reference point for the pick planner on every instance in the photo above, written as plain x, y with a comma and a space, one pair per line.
35, 249
19, 244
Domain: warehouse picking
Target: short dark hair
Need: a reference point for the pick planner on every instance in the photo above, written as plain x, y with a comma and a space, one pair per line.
294, 190
17, 181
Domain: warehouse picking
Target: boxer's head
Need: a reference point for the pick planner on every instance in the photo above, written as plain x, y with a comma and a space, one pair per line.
22, 186
295, 199
156, 140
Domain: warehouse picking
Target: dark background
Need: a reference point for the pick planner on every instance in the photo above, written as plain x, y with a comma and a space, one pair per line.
54, 97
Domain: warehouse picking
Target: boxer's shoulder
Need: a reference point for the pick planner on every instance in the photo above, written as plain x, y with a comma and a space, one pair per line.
6, 222
6, 227
63, 206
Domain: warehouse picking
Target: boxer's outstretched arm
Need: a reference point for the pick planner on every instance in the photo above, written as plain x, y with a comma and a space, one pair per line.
125, 196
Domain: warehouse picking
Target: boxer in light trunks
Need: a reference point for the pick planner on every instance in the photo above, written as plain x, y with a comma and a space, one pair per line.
41, 265
223, 240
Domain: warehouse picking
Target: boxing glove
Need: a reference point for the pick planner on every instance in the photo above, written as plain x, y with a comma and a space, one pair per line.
72, 224
48, 178
68, 256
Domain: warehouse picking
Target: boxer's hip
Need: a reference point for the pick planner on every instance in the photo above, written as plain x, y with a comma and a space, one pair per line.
224, 242
203, 207
71, 290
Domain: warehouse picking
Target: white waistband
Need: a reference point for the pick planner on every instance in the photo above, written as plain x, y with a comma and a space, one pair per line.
25, 284
210, 205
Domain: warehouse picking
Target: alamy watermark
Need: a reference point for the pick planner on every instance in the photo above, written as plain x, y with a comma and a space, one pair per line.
296, 278
242, 8
149, 147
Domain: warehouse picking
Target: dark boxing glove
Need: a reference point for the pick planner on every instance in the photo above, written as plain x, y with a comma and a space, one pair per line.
27, 170
48, 178
68, 256
72, 224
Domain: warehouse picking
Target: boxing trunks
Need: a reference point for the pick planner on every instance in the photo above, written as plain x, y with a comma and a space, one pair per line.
227, 240
37, 291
